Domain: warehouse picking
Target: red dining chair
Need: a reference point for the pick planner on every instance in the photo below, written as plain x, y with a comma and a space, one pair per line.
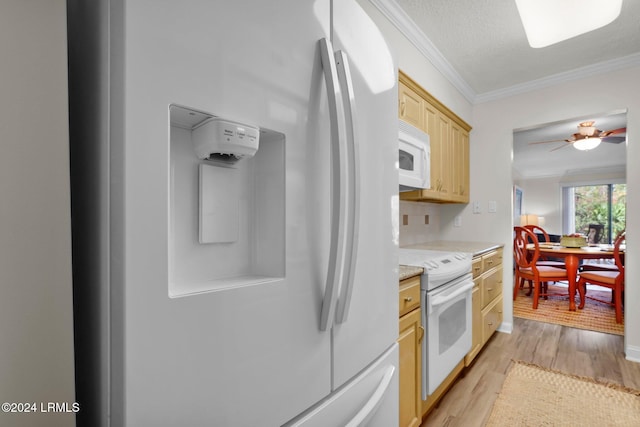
601, 266
612, 279
527, 267
544, 260
536, 229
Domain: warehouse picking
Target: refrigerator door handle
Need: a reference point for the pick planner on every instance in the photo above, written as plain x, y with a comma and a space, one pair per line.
369, 409
338, 193
352, 184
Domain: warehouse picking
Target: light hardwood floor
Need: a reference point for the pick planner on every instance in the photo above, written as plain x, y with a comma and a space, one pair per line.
575, 351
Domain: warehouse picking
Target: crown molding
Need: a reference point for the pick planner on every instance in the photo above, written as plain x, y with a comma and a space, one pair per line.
398, 17
567, 76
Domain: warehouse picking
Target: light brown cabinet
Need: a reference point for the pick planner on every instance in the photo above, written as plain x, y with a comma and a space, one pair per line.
449, 143
409, 341
486, 300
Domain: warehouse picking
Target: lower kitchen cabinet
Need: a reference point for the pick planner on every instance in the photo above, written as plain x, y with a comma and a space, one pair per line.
487, 300
409, 341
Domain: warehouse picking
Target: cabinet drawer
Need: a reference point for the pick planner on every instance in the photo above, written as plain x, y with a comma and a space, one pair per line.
476, 267
491, 260
491, 286
409, 296
491, 319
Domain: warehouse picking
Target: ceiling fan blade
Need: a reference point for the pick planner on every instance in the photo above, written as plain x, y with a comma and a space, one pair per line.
613, 132
570, 143
614, 139
545, 142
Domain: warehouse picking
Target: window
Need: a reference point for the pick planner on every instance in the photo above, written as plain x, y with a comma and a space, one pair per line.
600, 205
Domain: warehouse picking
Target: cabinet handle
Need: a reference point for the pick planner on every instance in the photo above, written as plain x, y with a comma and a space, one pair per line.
490, 262
421, 333
489, 289
408, 299
490, 323
402, 108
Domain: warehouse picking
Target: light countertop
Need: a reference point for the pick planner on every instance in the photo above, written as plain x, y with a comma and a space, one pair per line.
407, 271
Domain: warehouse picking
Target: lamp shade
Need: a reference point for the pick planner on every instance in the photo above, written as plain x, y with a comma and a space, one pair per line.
529, 219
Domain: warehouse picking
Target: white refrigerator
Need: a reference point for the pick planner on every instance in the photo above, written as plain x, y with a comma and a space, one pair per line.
217, 291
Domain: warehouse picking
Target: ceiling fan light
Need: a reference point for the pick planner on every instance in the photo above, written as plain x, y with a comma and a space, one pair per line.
547, 22
587, 144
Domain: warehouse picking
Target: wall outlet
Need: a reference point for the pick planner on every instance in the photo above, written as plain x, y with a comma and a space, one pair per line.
476, 207
493, 206
457, 221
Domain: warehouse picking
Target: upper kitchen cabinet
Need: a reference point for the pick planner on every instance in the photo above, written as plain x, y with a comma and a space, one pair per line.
411, 107
449, 143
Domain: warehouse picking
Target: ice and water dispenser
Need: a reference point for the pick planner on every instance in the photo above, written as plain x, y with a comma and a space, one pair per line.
226, 208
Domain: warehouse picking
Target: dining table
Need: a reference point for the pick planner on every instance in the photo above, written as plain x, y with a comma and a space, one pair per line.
573, 256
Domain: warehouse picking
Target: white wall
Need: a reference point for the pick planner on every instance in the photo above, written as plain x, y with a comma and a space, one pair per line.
543, 197
36, 316
491, 153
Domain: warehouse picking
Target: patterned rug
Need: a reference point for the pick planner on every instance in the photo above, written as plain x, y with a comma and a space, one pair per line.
561, 400
595, 316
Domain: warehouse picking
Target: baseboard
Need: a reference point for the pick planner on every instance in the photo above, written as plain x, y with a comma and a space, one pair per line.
505, 327
632, 353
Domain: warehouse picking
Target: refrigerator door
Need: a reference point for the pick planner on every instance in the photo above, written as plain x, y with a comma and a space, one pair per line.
370, 399
366, 324
254, 354
249, 355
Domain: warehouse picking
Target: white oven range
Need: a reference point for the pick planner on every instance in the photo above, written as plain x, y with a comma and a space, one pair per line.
445, 300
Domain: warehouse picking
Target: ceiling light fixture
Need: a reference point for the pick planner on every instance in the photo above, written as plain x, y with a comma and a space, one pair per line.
587, 143
547, 22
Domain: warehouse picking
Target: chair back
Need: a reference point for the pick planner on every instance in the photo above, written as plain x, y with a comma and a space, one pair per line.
536, 229
524, 258
595, 233
616, 253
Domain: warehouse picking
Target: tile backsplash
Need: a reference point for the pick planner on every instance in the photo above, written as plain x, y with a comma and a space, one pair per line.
419, 222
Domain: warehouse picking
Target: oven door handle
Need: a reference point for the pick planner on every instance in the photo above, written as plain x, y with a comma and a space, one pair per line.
443, 299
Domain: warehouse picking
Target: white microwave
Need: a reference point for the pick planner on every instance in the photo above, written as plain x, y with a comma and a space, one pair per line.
414, 157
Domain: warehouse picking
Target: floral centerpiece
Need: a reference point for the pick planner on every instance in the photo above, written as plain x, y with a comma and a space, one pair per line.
575, 240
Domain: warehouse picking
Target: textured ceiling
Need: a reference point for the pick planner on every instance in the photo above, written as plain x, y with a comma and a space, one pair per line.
485, 42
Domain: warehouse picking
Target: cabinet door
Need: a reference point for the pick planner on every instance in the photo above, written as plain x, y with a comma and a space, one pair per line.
459, 162
440, 159
410, 106
491, 319
432, 125
410, 369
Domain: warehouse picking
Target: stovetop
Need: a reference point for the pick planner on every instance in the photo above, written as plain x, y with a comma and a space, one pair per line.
439, 267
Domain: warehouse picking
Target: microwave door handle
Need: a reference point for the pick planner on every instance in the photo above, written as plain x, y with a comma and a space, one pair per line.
338, 206
352, 184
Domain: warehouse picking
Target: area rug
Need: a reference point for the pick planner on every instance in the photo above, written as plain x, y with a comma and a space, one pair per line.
595, 316
535, 396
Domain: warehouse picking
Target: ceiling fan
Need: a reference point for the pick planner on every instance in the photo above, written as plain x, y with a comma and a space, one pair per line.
589, 137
